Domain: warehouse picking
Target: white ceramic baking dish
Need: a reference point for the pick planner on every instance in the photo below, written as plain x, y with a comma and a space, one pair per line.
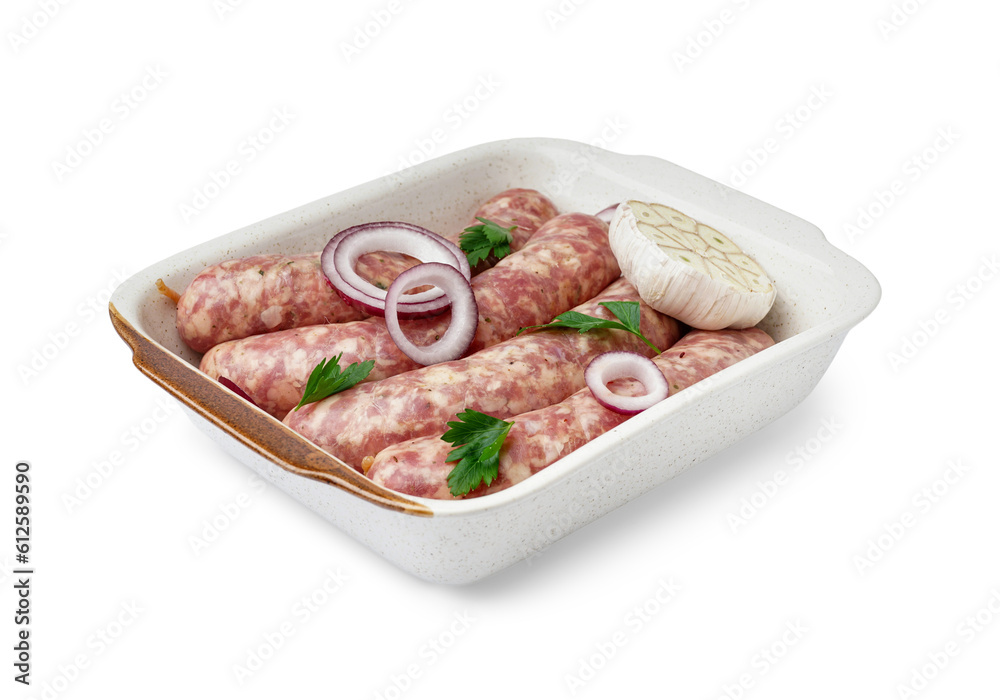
823, 293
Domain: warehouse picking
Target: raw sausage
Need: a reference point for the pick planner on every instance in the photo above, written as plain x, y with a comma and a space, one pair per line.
539, 438
248, 296
521, 374
265, 293
565, 263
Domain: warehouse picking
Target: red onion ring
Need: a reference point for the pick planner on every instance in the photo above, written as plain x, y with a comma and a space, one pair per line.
235, 388
464, 313
607, 213
618, 365
340, 256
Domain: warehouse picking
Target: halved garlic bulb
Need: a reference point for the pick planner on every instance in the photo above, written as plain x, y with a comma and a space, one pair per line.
688, 270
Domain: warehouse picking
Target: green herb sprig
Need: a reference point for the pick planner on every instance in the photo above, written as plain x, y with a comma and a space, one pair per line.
478, 438
627, 313
326, 379
479, 242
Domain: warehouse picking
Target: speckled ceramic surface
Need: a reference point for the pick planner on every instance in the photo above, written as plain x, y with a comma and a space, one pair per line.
822, 294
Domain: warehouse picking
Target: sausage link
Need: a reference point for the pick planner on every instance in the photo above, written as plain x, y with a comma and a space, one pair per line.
527, 372
526, 209
262, 293
265, 293
566, 262
539, 438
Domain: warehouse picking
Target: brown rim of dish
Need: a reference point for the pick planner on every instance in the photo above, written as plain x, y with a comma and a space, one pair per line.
252, 427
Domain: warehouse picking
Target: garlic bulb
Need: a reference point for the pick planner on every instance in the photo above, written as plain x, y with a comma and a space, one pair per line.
688, 270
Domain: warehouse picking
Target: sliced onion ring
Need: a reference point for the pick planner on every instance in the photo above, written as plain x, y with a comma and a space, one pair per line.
607, 213
235, 388
464, 312
340, 256
609, 366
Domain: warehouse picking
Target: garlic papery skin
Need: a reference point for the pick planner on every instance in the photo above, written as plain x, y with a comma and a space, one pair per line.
688, 270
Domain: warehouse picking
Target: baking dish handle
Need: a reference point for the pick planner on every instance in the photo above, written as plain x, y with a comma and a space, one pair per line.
251, 426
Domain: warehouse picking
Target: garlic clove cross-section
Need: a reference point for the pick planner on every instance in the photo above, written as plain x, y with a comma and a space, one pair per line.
688, 270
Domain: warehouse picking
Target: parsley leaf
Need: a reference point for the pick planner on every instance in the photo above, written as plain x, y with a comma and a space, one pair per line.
478, 439
326, 379
627, 312
478, 242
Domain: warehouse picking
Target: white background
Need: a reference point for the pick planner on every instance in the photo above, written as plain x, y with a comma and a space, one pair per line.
912, 391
